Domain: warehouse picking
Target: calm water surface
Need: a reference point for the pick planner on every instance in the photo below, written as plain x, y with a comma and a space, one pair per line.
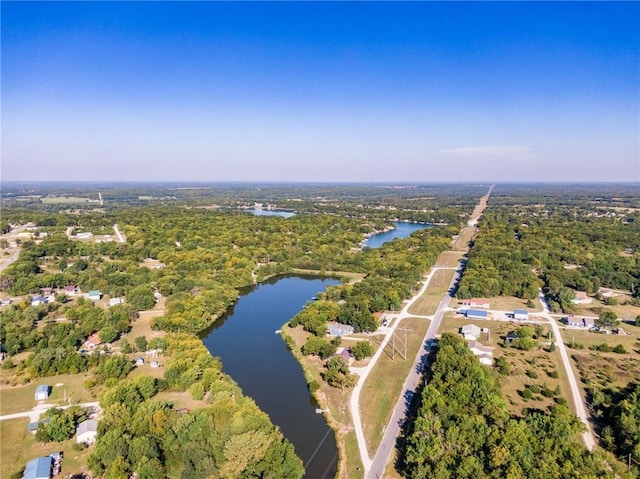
259, 361
284, 214
402, 230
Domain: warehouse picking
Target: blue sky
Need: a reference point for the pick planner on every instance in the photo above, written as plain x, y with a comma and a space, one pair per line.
335, 91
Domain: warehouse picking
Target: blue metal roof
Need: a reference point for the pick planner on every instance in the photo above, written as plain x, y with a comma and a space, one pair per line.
520, 311
477, 313
39, 468
42, 388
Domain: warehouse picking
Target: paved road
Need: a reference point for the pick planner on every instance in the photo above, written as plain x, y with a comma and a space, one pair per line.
121, 238
12, 259
387, 445
375, 468
364, 372
581, 411
35, 413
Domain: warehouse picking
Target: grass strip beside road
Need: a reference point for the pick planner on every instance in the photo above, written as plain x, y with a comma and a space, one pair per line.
384, 383
427, 304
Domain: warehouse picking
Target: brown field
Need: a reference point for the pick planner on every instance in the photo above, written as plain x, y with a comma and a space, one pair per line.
626, 311
426, 304
631, 342
384, 383
180, 399
22, 447
605, 370
20, 398
449, 259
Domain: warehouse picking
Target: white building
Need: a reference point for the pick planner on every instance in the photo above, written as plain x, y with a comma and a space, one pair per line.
470, 332
87, 431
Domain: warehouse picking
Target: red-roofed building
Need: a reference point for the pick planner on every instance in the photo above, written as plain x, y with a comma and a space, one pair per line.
475, 303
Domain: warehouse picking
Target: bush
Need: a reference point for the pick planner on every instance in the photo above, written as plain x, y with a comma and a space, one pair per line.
527, 394
532, 374
197, 391
361, 350
553, 374
314, 386
619, 349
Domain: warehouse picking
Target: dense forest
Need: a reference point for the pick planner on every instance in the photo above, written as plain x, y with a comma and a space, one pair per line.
515, 253
463, 429
196, 259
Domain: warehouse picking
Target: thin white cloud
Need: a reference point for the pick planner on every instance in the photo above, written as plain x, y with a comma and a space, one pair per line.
516, 152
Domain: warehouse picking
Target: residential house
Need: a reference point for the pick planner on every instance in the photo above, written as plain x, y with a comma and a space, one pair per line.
38, 300
520, 314
484, 353
39, 468
345, 353
70, 290
42, 392
87, 431
84, 235
337, 329
573, 321
589, 323
581, 297
95, 295
475, 303
475, 313
92, 341
115, 301
470, 332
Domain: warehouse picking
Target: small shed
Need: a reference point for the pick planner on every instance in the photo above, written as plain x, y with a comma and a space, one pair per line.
475, 303
476, 313
95, 295
115, 301
39, 468
87, 431
337, 329
42, 392
139, 361
520, 314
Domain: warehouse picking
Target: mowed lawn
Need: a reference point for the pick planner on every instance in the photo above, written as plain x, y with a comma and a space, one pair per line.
384, 383
426, 304
18, 447
21, 398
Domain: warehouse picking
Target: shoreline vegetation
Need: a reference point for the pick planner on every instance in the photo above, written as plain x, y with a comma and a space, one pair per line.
202, 260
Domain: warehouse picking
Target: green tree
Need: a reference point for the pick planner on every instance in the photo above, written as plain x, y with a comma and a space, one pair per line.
361, 350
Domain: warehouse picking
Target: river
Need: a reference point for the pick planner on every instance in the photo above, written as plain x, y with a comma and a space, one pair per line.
401, 230
259, 361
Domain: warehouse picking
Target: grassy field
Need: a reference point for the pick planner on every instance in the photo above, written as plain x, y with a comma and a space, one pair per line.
506, 303
449, 259
631, 342
22, 447
384, 383
62, 200
426, 304
626, 311
527, 368
20, 398
179, 399
351, 277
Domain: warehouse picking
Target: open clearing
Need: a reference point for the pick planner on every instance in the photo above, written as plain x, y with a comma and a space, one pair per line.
384, 383
21, 398
351, 277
